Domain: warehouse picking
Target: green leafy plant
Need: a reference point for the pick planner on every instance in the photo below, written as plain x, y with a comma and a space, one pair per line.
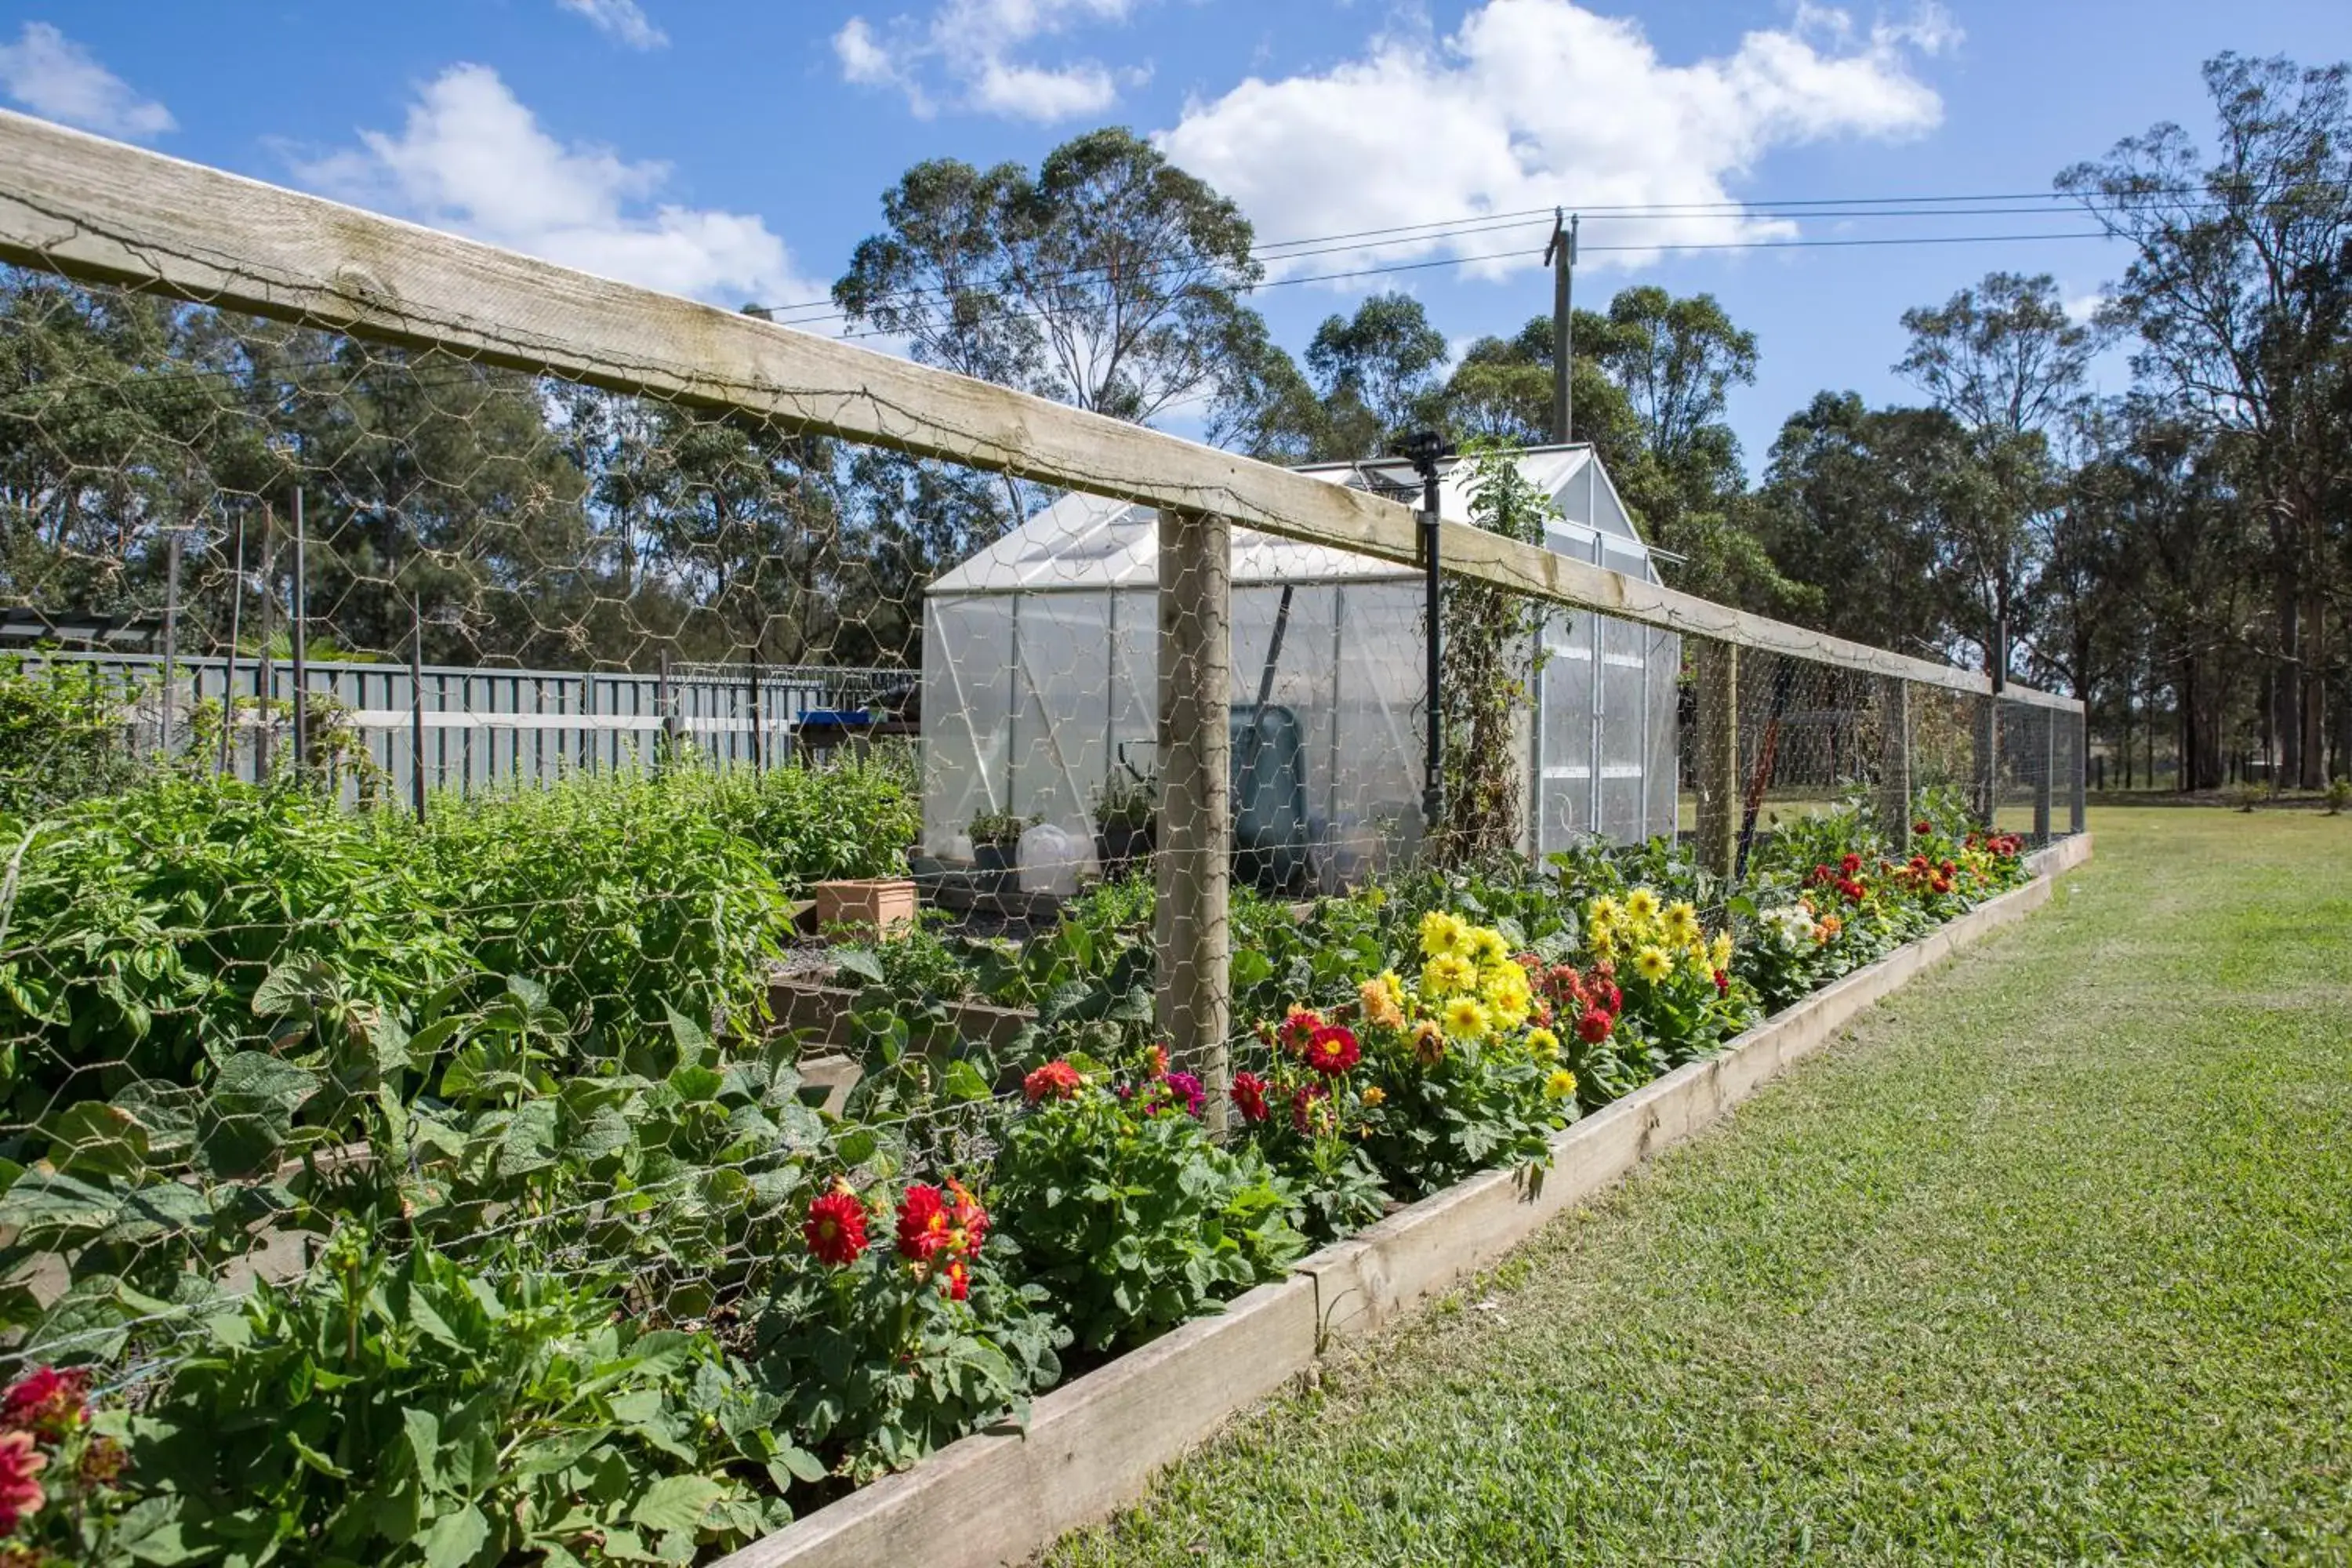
849, 819
1126, 1211
883, 1350
412, 1411
1126, 800
146, 924
627, 895
999, 827
63, 736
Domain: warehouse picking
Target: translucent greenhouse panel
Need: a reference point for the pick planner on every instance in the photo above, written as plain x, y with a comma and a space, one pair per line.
967, 650
1130, 724
1624, 730
1371, 804
1058, 688
1664, 795
1564, 781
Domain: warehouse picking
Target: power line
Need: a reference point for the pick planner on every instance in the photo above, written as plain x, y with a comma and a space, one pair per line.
1475, 258
1814, 208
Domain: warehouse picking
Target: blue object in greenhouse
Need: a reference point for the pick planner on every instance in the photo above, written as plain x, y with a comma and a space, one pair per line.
1270, 797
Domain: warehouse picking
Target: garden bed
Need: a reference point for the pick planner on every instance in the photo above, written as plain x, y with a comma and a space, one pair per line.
1093, 1443
796, 1237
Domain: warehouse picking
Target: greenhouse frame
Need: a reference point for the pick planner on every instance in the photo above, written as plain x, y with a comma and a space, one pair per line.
1039, 680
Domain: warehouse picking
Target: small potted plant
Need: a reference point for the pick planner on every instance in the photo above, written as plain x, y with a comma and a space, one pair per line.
997, 849
1127, 808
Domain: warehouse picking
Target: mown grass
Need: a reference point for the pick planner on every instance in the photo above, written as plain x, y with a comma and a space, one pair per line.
2051, 1260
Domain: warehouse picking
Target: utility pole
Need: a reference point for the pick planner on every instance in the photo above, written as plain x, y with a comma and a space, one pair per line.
1560, 257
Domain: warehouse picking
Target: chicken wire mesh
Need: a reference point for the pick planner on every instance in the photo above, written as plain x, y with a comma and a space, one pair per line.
417, 770
417, 778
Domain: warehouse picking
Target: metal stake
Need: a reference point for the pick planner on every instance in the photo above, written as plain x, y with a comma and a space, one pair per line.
297, 603
416, 704
228, 669
171, 636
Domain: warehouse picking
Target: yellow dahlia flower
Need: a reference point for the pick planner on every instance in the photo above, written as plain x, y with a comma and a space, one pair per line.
1442, 934
1466, 1018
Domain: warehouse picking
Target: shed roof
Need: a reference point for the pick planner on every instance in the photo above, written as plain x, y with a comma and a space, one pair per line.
1088, 541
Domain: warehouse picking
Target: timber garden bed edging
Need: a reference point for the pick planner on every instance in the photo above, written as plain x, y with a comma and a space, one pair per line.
1094, 1444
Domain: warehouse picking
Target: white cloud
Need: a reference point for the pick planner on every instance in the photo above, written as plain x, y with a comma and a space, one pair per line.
51, 75
2081, 307
621, 19
973, 50
473, 160
1536, 102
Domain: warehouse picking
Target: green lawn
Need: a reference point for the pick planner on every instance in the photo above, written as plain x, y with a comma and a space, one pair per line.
2052, 1259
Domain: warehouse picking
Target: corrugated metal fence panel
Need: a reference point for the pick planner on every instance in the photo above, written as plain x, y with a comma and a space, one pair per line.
493, 727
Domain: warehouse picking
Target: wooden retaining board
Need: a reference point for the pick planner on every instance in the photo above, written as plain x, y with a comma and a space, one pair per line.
1094, 1444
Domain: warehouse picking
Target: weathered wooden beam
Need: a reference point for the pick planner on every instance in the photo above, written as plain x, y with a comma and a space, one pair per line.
102, 212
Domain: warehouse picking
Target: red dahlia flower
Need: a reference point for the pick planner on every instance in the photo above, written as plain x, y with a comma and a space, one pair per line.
1722, 983
970, 1219
1249, 1096
923, 1223
958, 1279
1610, 1000
1923, 828
1595, 1026
1055, 1080
47, 1403
1850, 864
836, 1227
1332, 1050
1297, 1031
20, 1488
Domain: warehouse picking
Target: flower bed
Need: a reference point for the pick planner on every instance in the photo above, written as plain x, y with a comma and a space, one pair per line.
674, 1304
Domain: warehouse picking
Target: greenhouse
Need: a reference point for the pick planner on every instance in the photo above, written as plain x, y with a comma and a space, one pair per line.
1039, 683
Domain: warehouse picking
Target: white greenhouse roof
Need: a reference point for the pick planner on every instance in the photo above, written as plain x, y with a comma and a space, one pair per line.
1087, 542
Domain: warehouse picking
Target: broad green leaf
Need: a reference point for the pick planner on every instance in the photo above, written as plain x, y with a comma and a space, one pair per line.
42, 1206
457, 1538
249, 1110
92, 1139
675, 1502
860, 963
694, 1046
422, 1430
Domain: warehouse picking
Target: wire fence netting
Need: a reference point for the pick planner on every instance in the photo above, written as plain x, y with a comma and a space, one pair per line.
620, 848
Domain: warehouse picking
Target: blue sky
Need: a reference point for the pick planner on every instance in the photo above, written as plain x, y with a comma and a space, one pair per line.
737, 151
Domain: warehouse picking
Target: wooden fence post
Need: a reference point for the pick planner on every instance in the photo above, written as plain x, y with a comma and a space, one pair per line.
1894, 764
1718, 756
1193, 863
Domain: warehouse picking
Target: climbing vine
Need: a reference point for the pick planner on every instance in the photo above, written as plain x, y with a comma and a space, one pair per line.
1487, 682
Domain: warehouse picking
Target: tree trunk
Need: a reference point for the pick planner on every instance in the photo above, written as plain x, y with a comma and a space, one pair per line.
2313, 681
2283, 712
